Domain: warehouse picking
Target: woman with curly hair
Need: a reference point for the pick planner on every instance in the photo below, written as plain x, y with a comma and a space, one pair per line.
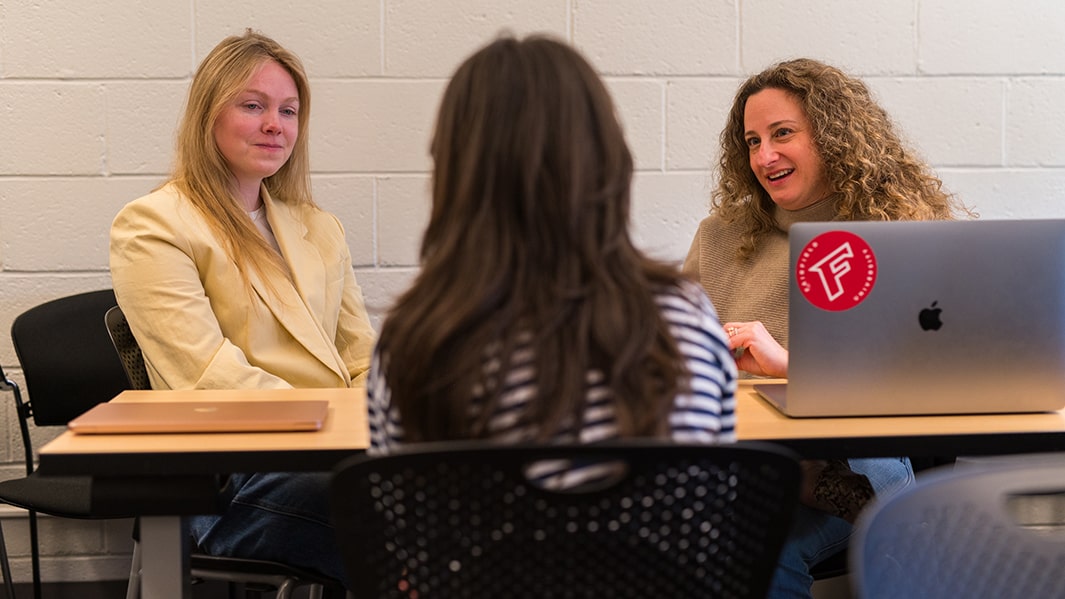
804, 142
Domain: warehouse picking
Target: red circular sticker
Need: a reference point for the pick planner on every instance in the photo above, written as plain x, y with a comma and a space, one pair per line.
836, 271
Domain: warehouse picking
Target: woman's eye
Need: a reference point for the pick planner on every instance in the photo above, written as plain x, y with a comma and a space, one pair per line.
251, 105
752, 142
289, 111
783, 132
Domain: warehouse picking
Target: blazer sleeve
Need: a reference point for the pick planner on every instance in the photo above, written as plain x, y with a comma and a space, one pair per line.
159, 259
355, 335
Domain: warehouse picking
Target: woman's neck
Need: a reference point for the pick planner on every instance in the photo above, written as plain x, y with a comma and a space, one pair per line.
822, 210
250, 198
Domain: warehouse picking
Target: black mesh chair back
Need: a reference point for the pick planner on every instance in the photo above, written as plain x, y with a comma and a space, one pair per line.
465, 520
129, 352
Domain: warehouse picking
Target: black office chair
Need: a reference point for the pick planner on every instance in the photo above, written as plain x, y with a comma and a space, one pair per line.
7, 384
68, 367
255, 576
463, 519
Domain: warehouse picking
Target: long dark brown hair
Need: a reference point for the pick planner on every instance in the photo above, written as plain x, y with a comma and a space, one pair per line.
528, 237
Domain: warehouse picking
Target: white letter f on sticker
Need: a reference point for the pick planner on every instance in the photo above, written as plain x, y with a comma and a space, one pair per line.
837, 266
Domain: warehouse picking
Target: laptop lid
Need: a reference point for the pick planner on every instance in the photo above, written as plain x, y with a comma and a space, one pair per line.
206, 416
928, 317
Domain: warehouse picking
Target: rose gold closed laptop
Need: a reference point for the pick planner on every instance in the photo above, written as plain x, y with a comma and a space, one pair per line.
202, 417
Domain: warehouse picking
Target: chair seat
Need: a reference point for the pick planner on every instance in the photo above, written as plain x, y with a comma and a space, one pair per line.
253, 570
62, 496
67, 497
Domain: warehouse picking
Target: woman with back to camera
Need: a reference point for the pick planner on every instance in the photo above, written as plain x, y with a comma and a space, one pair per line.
534, 317
804, 142
231, 277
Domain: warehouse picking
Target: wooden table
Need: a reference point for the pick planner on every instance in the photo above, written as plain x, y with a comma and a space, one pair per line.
163, 477
913, 436
179, 474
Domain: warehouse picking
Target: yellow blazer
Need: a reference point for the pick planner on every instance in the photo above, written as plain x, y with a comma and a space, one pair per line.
189, 309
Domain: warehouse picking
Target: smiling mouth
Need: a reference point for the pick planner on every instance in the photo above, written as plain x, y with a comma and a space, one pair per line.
780, 174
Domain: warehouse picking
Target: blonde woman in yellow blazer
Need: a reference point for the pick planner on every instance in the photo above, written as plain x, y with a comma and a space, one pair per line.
231, 277
199, 326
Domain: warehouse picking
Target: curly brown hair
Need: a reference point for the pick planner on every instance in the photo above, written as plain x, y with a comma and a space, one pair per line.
875, 176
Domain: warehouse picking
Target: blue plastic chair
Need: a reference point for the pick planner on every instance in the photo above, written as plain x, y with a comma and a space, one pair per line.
974, 533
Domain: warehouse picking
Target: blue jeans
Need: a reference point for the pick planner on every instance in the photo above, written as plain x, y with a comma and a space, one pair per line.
282, 517
816, 535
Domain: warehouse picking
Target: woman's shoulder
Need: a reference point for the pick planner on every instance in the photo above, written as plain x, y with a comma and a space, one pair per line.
712, 220
316, 215
716, 236
684, 296
310, 214
162, 203
164, 212
714, 227
691, 317
165, 199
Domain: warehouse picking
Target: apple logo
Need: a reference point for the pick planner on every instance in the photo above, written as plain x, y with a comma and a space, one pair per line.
929, 317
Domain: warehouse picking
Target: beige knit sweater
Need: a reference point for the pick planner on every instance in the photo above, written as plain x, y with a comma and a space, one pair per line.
755, 288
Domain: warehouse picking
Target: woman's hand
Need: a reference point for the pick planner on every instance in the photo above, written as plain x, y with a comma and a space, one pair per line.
761, 355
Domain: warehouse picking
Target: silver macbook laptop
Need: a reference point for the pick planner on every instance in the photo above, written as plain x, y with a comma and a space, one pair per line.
202, 417
930, 317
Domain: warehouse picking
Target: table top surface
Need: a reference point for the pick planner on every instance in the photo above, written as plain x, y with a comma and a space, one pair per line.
871, 436
344, 432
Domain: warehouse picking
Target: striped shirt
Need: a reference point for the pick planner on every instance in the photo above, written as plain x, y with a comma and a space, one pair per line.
703, 414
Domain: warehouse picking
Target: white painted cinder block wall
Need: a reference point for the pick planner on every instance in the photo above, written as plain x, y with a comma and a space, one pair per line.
90, 93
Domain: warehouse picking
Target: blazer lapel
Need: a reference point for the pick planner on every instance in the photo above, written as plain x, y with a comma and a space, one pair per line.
306, 296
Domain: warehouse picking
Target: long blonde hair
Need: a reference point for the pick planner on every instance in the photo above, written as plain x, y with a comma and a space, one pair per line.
200, 170
874, 175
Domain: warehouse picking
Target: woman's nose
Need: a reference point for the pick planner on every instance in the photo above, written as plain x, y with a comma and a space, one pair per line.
766, 154
271, 123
